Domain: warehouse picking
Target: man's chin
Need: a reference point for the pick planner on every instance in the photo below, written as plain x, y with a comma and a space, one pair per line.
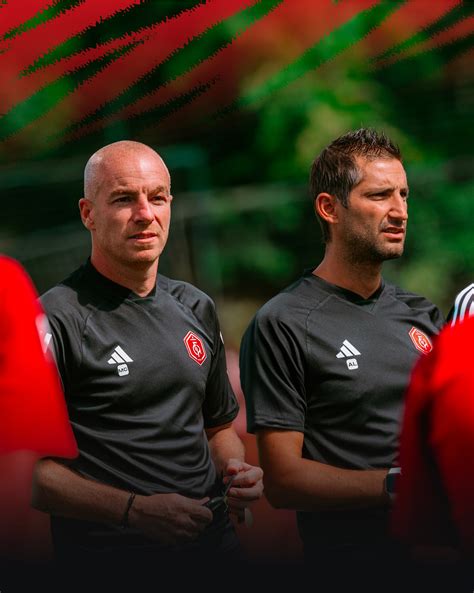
143, 257
393, 253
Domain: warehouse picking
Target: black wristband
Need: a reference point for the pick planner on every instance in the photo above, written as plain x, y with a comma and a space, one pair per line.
124, 522
390, 482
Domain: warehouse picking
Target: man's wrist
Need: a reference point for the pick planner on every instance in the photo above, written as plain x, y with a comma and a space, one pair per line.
124, 523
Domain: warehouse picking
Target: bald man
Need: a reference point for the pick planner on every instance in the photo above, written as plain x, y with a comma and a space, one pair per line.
143, 370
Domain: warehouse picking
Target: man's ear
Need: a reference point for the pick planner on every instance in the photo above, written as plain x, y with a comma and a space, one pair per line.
326, 207
86, 208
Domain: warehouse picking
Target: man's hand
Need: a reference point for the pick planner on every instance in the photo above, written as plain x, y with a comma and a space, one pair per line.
169, 518
247, 486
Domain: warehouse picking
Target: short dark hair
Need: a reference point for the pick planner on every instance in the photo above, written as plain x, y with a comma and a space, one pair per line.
335, 170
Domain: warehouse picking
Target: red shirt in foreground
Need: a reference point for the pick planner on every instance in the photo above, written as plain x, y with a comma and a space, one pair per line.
435, 499
33, 413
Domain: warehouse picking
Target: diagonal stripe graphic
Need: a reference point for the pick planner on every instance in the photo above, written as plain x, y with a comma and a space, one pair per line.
352, 348
55, 77
324, 50
116, 357
346, 351
123, 354
94, 92
177, 64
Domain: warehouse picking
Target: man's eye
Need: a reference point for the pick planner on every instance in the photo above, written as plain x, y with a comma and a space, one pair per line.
159, 199
122, 200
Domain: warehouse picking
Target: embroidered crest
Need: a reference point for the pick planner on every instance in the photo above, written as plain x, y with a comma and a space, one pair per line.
420, 340
195, 347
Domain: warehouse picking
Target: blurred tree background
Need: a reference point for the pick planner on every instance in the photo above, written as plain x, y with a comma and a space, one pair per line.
239, 97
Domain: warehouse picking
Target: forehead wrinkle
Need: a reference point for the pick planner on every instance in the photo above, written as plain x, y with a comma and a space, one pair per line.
127, 189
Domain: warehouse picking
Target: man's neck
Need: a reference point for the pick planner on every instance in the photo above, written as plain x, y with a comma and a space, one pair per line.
139, 278
362, 278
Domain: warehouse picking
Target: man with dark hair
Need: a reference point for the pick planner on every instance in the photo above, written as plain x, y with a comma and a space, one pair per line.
325, 363
336, 171
143, 368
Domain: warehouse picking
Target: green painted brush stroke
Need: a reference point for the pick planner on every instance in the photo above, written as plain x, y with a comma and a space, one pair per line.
179, 63
38, 104
195, 52
50, 12
451, 18
133, 19
323, 51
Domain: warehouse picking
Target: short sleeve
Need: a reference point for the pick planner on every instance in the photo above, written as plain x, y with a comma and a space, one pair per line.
220, 404
33, 414
272, 375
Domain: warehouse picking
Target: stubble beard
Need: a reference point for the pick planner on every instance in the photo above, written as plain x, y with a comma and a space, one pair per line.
362, 249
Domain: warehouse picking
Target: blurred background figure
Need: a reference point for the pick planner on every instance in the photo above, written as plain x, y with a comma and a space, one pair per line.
434, 508
463, 306
33, 416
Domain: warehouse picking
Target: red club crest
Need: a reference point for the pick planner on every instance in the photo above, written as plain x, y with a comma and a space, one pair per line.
420, 340
195, 347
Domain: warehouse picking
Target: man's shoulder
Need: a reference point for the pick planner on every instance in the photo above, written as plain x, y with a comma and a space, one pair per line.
298, 298
65, 296
410, 298
416, 302
182, 290
188, 296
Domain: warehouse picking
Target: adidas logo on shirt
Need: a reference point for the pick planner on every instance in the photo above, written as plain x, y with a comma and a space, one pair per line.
120, 357
348, 351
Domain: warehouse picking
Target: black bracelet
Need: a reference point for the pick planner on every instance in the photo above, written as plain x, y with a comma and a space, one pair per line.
124, 522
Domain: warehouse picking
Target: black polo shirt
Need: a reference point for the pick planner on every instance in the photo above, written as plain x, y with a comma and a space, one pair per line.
321, 360
143, 377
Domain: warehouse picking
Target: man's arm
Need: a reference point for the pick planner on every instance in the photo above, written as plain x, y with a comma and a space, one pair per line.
224, 444
228, 453
168, 518
293, 482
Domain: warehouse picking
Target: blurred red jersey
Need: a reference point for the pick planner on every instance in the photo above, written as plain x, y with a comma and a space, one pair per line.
435, 500
33, 414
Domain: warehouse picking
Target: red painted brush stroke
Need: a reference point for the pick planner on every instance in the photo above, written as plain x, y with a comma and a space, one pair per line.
458, 31
15, 14
268, 42
279, 37
158, 43
260, 45
272, 43
22, 51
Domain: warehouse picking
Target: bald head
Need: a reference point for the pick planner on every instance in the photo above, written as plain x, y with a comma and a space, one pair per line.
111, 157
127, 208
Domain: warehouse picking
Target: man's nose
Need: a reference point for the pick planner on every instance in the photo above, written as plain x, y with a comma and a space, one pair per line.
143, 211
399, 208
